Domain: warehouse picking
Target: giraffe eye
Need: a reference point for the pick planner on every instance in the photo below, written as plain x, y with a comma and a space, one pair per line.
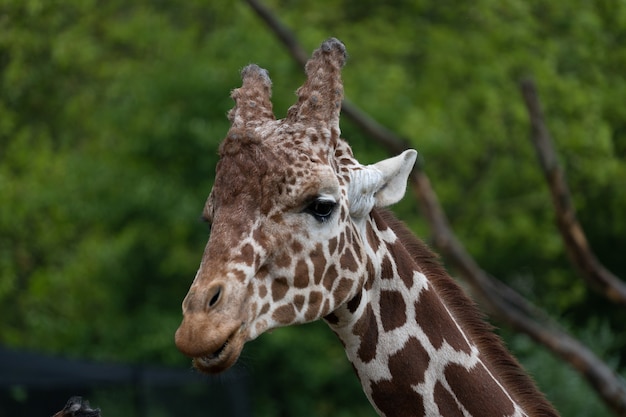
321, 209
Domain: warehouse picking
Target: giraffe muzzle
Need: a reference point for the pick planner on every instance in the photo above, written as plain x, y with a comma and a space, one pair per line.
221, 359
212, 348
212, 332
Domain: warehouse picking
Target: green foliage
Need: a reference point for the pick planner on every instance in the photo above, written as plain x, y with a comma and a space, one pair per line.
304, 371
111, 115
560, 381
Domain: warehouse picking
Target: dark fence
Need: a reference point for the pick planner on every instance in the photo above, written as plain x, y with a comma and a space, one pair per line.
36, 385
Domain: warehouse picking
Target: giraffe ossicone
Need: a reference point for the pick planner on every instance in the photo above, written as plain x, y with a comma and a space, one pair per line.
299, 233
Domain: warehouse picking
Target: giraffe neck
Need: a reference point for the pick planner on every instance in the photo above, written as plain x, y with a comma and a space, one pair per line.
411, 352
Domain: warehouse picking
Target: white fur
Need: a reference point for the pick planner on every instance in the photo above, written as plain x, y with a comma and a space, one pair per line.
381, 184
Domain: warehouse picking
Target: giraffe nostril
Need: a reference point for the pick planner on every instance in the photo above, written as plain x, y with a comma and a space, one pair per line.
216, 297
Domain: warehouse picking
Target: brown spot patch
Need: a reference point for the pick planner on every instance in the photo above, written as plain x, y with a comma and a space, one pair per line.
372, 239
332, 245
380, 223
359, 255
301, 278
393, 310
326, 307
397, 397
259, 236
367, 329
354, 303
397, 400
341, 244
437, 323
265, 308
239, 275
280, 286
296, 247
342, 290
298, 302
349, 237
283, 260
386, 268
477, 391
329, 277
402, 363
246, 255
405, 265
371, 274
445, 402
262, 273
319, 263
345, 161
315, 302
347, 260
284, 314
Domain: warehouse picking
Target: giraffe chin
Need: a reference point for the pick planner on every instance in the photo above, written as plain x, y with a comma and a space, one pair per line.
223, 358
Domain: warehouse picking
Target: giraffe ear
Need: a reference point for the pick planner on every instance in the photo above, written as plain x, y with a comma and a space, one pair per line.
381, 184
395, 173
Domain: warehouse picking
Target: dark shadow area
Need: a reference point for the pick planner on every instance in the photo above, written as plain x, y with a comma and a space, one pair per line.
32, 384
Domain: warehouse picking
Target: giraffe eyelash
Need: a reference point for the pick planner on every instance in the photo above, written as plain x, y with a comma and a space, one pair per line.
321, 209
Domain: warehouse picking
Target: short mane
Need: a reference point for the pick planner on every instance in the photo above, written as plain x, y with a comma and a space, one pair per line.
465, 311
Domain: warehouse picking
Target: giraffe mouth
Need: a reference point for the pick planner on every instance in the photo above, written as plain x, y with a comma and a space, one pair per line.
222, 358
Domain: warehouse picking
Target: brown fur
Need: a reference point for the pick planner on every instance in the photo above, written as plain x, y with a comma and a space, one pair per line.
514, 378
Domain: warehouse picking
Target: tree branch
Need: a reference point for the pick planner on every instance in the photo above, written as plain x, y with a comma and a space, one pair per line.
282, 32
507, 305
503, 301
368, 125
576, 244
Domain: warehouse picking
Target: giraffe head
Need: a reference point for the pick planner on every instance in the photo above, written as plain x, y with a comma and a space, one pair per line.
287, 214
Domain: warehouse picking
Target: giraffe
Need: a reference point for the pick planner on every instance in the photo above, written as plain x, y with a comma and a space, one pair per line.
299, 232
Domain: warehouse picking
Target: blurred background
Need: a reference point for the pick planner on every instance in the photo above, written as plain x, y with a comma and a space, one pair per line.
111, 113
